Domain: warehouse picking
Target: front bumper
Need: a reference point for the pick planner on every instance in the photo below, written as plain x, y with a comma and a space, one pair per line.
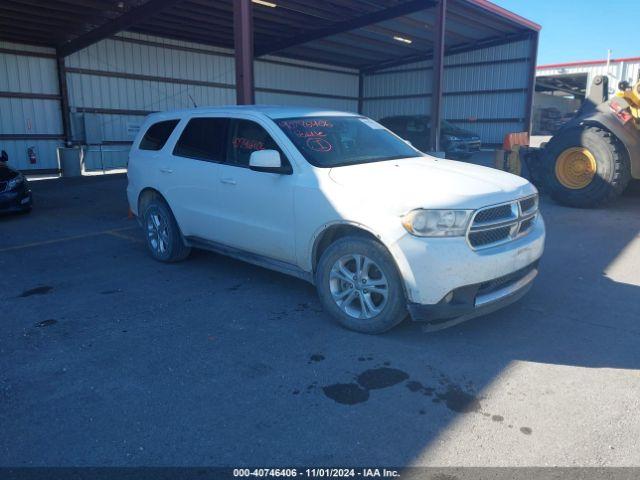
16, 201
434, 269
465, 303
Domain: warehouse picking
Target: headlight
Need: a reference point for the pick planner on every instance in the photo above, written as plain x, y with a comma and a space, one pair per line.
437, 223
13, 183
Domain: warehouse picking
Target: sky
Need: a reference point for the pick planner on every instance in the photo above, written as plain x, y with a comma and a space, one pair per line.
575, 30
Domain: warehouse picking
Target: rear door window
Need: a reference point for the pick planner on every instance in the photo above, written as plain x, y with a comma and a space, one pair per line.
203, 139
157, 135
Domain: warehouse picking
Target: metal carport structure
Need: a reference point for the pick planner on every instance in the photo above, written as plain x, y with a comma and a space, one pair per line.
368, 39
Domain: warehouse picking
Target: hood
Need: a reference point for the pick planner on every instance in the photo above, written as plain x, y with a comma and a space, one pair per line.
429, 182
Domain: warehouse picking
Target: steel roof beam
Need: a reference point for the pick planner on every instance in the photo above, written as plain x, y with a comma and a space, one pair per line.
467, 47
116, 25
348, 25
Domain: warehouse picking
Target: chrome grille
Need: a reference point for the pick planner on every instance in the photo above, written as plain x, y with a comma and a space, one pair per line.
529, 204
488, 237
503, 223
502, 212
526, 225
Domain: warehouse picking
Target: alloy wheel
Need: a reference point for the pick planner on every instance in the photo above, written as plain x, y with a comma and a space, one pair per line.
157, 231
358, 286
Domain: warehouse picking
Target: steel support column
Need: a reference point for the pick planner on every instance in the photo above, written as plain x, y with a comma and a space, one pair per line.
360, 92
533, 60
438, 74
64, 99
243, 42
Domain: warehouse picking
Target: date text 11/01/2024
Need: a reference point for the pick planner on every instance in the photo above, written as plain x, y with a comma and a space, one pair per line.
317, 472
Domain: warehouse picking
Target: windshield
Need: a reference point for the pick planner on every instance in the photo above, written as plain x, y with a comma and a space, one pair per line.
336, 141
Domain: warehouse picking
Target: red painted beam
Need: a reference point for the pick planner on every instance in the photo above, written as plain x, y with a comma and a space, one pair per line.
506, 14
438, 75
243, 42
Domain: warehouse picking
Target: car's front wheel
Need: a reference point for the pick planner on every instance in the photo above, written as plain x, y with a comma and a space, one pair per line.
164, 240
358, 283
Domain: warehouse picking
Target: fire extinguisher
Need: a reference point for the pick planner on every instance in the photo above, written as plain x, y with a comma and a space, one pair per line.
31, 154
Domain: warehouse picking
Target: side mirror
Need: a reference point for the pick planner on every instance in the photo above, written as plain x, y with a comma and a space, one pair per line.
267, 161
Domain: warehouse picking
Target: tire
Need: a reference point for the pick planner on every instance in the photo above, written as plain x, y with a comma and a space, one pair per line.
161, 230
390, 309
612, 170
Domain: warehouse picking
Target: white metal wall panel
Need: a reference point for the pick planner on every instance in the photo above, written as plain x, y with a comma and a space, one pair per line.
268, 98
300, 79
125, 57
30, 116
173, 67
378, 109
29, 75
92, 91
463, 72
487, 77
519, 49
413, 82
485, 106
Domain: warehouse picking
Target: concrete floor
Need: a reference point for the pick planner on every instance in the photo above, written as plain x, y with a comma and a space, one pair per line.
109, 358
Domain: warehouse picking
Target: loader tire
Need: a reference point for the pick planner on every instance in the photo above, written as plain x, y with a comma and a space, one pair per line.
586, 167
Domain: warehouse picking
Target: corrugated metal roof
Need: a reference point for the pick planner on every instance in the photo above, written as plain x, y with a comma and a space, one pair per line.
348, 42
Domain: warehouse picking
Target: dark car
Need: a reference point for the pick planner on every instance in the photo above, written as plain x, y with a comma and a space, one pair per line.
456, 142
15, 193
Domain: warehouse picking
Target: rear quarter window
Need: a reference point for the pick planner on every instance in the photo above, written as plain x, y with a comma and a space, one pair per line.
157, 135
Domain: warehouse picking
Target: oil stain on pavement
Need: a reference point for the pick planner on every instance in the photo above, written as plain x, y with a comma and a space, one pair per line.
36, 291
346, 393
457, 398
384, 377
358, 392
46, 323
316, 357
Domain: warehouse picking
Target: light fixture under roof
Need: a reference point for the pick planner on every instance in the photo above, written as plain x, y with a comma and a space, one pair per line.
266, 4
401, 39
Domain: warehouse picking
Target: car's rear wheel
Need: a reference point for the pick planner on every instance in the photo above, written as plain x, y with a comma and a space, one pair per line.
359, 285
164, 240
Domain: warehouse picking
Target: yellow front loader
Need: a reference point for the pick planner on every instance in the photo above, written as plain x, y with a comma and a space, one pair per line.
591, 160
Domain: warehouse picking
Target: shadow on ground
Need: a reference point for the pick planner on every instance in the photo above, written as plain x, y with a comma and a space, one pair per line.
108, 358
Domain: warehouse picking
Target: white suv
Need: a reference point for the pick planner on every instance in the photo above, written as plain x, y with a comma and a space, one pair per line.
336, 199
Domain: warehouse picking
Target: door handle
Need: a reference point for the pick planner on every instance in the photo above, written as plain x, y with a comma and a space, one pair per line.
228, 181
166, 170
